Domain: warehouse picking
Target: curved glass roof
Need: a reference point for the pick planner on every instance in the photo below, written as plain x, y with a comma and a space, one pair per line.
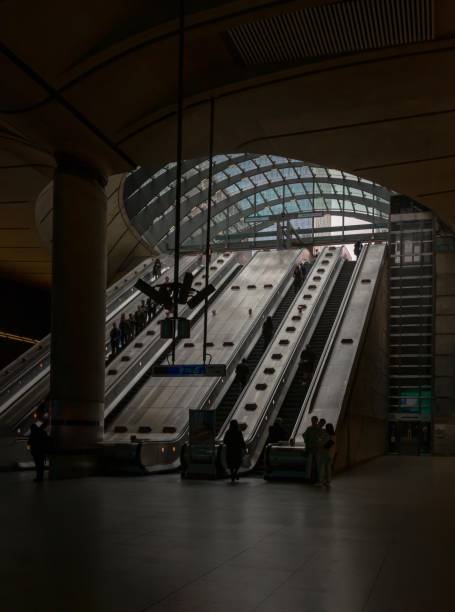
252, 197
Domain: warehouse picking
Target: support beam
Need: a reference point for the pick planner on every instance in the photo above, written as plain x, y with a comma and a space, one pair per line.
78, 317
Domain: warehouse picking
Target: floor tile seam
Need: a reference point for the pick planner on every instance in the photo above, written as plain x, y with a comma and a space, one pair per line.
291, 574
393, 541
148, 608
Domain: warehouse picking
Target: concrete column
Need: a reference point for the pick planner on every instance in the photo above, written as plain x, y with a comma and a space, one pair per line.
78, 317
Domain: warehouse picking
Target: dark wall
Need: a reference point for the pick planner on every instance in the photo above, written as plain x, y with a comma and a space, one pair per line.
25, 311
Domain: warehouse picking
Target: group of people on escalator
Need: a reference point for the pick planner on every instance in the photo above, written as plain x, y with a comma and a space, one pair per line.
300, 273
129, 326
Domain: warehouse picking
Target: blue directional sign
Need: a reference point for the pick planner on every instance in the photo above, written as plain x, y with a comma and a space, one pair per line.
190, 369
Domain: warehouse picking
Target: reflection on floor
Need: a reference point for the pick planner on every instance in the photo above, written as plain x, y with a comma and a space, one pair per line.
381, 541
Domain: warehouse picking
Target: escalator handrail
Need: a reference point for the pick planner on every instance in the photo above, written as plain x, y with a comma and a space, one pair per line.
29, 359
150, 355
323, 361
258, 430
240, 349
39, 368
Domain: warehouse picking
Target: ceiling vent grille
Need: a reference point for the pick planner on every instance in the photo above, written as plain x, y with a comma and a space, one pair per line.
333, 29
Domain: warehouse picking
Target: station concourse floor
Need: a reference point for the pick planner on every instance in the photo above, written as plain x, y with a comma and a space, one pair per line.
382, 540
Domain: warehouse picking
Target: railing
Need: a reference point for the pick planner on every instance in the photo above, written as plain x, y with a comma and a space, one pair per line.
37, 366
165, 452
323, 361
283, 382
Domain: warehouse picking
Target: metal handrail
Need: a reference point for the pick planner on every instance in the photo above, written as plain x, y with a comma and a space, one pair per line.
148, 355
323, 361
35, 354
229, 369
262, 423
297, 347
18, 386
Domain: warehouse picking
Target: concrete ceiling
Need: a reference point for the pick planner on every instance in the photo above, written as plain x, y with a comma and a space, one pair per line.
98, 79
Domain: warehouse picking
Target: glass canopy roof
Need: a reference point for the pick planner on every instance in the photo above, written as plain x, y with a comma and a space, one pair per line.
253, 198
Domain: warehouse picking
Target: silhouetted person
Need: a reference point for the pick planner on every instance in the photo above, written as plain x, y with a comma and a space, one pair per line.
235, 449
124, 331
305, 267
311, 437
326, 454
358, 246
132, 326
115, 340
165, 293
298, 280
38, 443
242, 373
277, 433
307, 361
157, 268
151, 309
267, 331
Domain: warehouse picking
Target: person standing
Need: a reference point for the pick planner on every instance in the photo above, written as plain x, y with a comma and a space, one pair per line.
358, 246
235, 449
277, 433
326, 455
38, 443
242, 373
132, 327
115, 340
307, 360
298, 280
157, 268
149, 309
124, 331
267, 331
311, 437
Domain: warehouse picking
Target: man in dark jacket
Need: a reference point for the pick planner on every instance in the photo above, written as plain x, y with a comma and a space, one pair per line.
242, 373
358, 246
307, 361
38, 443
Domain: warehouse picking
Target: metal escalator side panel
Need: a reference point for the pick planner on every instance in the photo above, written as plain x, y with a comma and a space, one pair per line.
141, 361
199, 398
330, 386
231, 322
277, 373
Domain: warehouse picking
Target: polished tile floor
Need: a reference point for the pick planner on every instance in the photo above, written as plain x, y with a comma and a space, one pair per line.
382, 540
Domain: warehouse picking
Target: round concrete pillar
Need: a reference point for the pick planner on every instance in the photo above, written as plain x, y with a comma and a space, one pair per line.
78, 316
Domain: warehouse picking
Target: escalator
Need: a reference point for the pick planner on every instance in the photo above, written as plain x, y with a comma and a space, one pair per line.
232, 394
294, 398
349, 344
132, 392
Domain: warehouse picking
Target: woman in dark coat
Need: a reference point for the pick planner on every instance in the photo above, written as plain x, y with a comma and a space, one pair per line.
235, 449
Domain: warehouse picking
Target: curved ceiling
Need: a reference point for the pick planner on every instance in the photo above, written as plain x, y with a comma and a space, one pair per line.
378, 101
249, 194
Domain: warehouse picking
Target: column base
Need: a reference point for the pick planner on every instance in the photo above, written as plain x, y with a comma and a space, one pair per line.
73, 464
